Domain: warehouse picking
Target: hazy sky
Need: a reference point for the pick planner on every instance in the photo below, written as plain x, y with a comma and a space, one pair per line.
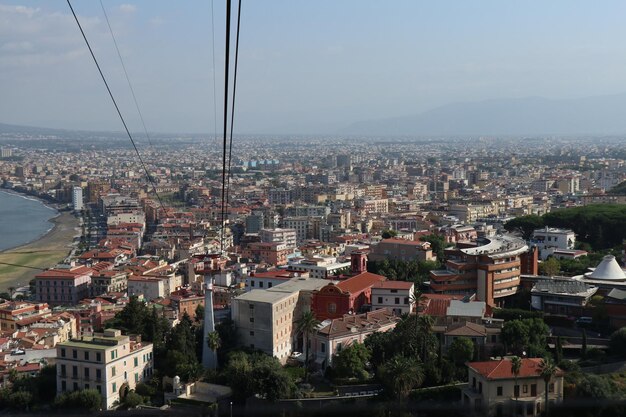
305, 66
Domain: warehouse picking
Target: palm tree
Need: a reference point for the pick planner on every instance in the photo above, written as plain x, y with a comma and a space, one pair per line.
516, 366
425, 325
400, 375
415, 298
307, 324
548, 370
214, 342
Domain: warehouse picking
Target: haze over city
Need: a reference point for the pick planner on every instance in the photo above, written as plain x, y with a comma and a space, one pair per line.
406, 208
310, 67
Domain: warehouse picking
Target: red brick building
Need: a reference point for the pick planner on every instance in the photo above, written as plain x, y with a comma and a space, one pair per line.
347, 297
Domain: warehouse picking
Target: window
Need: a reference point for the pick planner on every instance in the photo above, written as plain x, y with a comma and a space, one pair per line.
251, 305
114, 387
75, 386
332, 308
339, 346
99, 388
251, 319
63, 386
397, 300
551, 387
136, 361
394, 291
86, 373
74, 354
499, 391
63, 370
252, 283
86, 386
98, 374
260, 284
473, 382
251, 332
113, 371
323, 347
114, 354
98, 357
480, 387
525, 389
86, 355
380, 300
62, 353
406, 300
136, 377
75, 371
516, 390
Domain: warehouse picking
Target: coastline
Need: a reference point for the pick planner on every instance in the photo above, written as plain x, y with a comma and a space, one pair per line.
40, 253
51, 220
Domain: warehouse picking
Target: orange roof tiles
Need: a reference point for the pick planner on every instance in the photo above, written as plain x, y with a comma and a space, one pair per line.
531, 368
360, 282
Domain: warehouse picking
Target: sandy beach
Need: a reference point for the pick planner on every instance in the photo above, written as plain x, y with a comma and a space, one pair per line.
43, 253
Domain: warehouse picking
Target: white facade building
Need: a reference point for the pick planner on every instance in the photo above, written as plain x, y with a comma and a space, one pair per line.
77, 199
550, 237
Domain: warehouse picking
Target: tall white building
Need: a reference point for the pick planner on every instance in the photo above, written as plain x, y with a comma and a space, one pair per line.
77, 199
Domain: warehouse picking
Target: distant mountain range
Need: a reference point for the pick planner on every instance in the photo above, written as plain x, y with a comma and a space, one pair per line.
598, 115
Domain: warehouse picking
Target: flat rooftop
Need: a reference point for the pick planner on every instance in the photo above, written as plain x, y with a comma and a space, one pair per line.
499, 246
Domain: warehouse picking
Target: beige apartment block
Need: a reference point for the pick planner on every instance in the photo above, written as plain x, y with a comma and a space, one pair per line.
108, 362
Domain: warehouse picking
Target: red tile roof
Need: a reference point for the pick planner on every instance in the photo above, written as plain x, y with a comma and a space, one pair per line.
396, 285
360, 282
531, 368
65, 273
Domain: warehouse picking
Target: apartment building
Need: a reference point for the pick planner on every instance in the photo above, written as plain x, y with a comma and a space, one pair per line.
278, 235
396, 296
401, 250
109, 362
59, 286
491, 271
275, 253
269, 279
373, 206
318, 267
550, 238
493, 389
14, 312
265, 318
300, 225
105, 282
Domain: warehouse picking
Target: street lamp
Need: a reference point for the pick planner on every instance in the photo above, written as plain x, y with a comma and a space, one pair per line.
231, 409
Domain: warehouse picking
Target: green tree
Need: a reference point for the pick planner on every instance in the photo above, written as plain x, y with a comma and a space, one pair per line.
132, 400
525, 225
400, 375
214, 342
548, 370
550, 267
618, 342
199, 313
389, 233
515, 335
351, 361
306, 325
516, 366
461, 350
583, 348
437, 243
87, 399
558, 351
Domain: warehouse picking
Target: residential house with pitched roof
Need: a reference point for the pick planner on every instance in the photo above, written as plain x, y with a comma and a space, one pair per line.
333, 335
493, 389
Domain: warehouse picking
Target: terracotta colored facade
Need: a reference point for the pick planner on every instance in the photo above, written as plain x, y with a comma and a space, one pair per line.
347, 297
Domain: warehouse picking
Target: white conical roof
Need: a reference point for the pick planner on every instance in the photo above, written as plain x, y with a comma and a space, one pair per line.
608, 269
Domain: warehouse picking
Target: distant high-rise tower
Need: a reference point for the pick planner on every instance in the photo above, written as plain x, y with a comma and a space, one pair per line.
77, 198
